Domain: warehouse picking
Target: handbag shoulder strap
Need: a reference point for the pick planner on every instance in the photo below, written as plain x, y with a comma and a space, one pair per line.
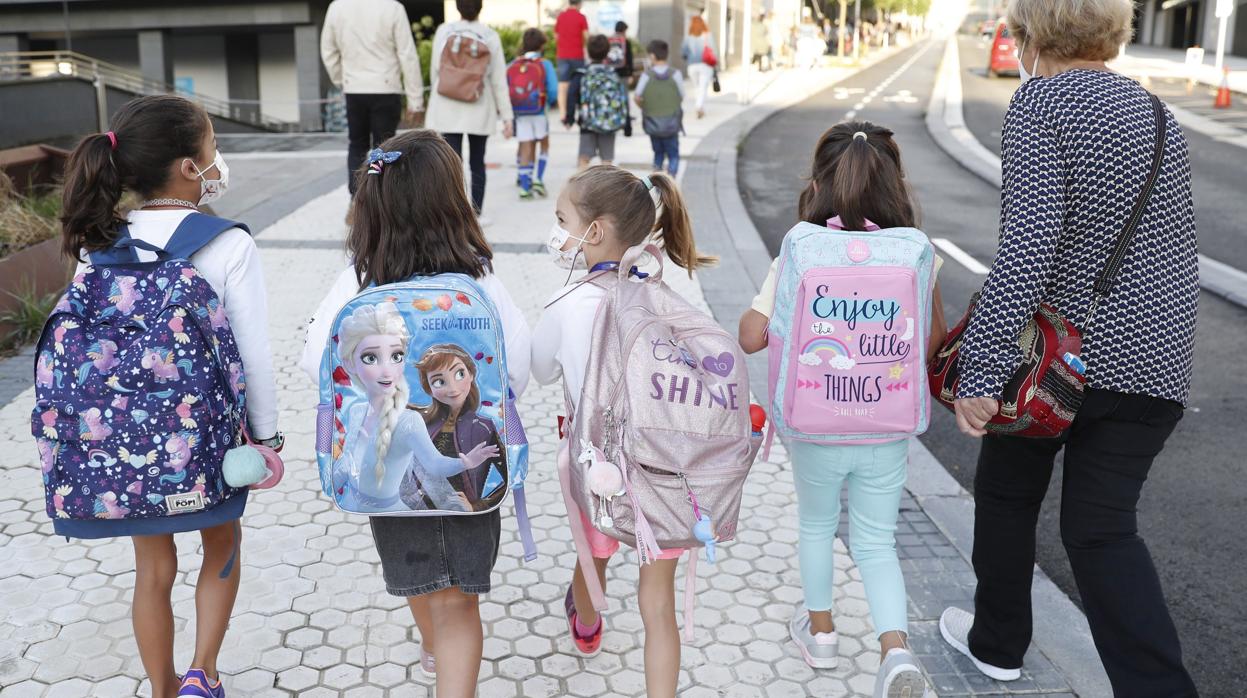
1108, 276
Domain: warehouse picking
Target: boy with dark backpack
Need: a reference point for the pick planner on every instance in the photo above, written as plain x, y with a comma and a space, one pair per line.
598, 100
660, 94
532, 84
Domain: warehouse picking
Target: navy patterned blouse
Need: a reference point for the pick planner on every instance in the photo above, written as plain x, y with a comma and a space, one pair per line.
1077, 150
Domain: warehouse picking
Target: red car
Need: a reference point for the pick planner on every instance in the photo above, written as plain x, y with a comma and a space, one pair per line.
1003, 57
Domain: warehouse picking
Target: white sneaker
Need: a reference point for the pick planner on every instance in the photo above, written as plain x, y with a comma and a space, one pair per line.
820, 650
955, 627
900, 676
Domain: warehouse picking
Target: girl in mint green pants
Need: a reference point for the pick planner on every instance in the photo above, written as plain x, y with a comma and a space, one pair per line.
875, 476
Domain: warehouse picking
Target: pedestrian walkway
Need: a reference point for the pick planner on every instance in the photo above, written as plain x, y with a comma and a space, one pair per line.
1155, 61
313, 618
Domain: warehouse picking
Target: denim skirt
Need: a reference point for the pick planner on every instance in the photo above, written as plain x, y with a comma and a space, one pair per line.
424, 554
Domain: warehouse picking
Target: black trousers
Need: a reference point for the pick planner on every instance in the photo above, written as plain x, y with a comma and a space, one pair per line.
476, 163
1108, 452
371, 119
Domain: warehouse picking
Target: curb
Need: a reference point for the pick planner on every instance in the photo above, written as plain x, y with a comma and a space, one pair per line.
947, 127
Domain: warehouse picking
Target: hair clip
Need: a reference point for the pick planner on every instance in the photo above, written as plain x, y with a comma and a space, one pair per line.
378, 158
860, 134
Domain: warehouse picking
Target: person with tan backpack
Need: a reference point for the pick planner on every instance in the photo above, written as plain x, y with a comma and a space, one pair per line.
469, 96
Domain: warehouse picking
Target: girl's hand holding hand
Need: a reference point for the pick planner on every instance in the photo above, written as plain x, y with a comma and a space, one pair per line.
480, 454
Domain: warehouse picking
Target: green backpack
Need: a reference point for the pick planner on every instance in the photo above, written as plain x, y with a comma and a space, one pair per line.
662, 115
603, 100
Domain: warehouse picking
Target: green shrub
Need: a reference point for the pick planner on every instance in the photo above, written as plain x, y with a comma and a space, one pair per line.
28, 317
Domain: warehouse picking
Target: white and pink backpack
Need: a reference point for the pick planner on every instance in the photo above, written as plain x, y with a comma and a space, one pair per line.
848, 336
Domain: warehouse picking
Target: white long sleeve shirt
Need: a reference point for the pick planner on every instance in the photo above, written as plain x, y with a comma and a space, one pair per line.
564, 337
516, 336
231, 265
366, 45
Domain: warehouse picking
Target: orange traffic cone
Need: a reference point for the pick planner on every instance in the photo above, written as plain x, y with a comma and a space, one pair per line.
1223, 92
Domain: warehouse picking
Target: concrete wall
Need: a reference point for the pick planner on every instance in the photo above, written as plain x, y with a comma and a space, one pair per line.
279, 88
39, 110
120, 50
201, 58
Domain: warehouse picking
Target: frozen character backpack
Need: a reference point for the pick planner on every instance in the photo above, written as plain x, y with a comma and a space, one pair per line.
139, 389
604, 100
848, 336
661, 443
415, 415
526, 82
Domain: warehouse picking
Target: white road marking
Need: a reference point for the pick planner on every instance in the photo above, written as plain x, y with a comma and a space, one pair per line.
959, 255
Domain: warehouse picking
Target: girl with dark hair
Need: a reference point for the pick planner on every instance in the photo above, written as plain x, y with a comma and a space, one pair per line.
857, 183
412, 217
603, 212
163, 148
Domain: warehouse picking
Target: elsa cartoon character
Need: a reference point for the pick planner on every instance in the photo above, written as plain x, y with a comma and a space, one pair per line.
384, 440
448, 375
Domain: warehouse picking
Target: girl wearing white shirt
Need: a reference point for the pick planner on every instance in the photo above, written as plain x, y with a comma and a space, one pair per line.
603, 211
412, 217
163, 147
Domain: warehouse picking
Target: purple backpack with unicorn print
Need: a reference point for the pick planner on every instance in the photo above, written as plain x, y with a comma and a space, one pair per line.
138, 385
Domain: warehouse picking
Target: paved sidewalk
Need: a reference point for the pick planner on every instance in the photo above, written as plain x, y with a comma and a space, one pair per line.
313, 618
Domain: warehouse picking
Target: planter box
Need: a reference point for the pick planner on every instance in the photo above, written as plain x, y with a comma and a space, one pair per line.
33, 165
41, 267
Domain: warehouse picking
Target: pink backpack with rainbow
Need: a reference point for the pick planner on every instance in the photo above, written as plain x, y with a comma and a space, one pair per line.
848, 336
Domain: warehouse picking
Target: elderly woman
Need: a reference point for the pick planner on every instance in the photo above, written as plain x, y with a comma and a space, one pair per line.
1079, 143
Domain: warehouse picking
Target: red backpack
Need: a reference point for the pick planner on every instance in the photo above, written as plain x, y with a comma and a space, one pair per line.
526, 82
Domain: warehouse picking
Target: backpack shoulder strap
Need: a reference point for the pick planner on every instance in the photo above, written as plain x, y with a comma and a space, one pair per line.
195, 232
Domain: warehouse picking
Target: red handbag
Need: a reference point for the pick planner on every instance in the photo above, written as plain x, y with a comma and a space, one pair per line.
708, 57
1044, 394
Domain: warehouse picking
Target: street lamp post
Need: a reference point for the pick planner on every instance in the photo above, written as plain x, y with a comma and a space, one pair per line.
747, 50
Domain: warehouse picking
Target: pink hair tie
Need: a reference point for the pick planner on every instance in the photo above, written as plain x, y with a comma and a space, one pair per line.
112, 138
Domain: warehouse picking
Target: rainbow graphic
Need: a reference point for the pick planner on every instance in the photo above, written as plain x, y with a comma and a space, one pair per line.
837, 352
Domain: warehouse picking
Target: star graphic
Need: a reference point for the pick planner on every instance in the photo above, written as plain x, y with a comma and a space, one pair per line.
896, 371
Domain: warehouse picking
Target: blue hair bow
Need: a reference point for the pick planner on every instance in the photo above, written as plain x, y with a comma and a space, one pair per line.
378, 158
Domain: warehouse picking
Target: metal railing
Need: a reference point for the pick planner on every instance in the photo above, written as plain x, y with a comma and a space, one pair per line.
30, 65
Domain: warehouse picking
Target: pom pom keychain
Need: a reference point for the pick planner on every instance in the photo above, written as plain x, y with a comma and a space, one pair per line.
605, 481
253, 465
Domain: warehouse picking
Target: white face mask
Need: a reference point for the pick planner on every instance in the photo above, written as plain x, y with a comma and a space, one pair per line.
1022, 71
566, 259
212, 189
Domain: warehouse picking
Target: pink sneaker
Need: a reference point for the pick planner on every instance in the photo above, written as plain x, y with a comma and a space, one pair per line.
587, 646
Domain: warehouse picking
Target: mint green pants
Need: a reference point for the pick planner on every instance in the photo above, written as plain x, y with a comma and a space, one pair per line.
875, 476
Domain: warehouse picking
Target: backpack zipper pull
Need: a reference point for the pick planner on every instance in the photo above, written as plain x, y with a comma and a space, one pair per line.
703, 530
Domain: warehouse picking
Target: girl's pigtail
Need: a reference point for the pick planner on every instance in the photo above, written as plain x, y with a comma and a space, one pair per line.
93, 188
674, 228
857, 173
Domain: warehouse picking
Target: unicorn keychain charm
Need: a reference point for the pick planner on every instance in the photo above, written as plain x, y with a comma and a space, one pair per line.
605, 482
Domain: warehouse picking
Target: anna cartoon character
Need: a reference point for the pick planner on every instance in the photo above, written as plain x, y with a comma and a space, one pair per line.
448, 375
385, 441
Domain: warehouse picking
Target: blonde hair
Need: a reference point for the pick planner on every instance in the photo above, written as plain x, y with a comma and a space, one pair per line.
1089, 30
609, 192
367, 320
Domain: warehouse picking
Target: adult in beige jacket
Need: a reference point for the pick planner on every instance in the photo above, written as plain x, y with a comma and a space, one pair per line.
452, 118
367, 47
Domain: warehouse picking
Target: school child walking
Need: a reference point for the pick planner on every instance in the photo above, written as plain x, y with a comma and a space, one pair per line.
414, 219
597, 99
141, 370
603, 212
660, 94
857, 184
533, 84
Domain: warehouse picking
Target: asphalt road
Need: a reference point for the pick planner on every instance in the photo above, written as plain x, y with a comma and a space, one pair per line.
1193, 508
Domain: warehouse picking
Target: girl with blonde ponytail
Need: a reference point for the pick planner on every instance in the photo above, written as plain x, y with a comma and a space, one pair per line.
602, 212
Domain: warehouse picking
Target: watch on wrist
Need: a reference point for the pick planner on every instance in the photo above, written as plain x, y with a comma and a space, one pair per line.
276, 442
